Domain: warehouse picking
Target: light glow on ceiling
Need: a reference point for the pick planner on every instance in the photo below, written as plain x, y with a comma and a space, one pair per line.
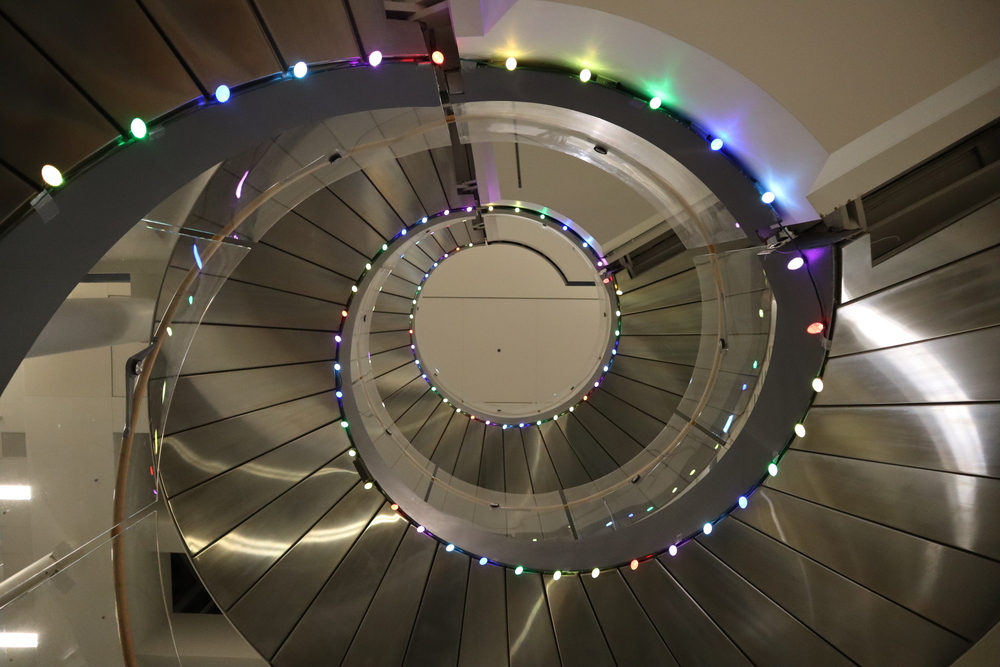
15, 492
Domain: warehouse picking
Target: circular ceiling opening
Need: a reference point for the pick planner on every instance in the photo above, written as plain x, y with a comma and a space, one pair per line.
516, 328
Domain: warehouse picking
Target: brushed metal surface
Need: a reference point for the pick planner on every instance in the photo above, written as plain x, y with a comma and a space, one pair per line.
928, 578
952, 438
388, 340
383, 362
296, 235
390, 303
224, 348
591, 454
578, 634
191, 457
673, 378
530, 638
657, 402
309, 30
448, 447
632, 638
445, 239
357, 191
957, 297
955, 369
389, 322
208, 511
432, 248
484, 629
413, 420
323, 634
515, 463
220, 40
399, 286
269, 610
408, 272
271, 267
691, 635
421, 172
420, 258
616, 442
676, 349
403, 399
113, 52
392, 381
427, 439
252, 305
437, 630
385, 630
460, 232
866, 627
684, 319
442, 157
325, 210
235, 562
388, 177
491, 465
567, 464
540, 468
641, 427
678, 289
200, 399
957, 510
747, 616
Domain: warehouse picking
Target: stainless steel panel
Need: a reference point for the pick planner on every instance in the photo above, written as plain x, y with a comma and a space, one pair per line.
684, 319
975, 232
950, 587
674, 266
193, 456
401, 401
392, 381
953, 438
515, 465
445, 239
446, 170
956, 369
309, 30
690, 634
241, 303
434, 247
269, 610
543, 473
413, 420
210, 510
467, 466
327, 211
438, 628
223, 348
491, 466
408, 272
420, 170
447, 449
383, 362
390, 303
673, 378
200, 399
661, 404
641, 427
91, 43
235, 563
421, 259
618, 444
220, 40
954, 298
595, 460
567, 464
389, 179
476, 236
385, 630
325, 631
390, 340
297, 236
39, 103
746, 615
531, 639
460, 232
866, 627
678, 289
958, 510
578, 634
429, 440
632, 638
389, 322
400, 287
275, 268
677, 349
357, 191
484, 630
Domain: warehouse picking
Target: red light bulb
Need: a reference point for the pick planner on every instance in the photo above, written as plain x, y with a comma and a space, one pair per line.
815, 328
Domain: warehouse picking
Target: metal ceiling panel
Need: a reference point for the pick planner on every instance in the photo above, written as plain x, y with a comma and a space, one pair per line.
324, 633
579, 636
616, 442
676, 349
389, 340
448, 447
543, 473
590, 453
327, 211
220, 40
863, 625
432, 247
408, 272
445, 239
385, 630
269, 610
531, 639
446, 170
632, 638
13, 190
693, 638
637, 424
208, 511
390, 303
957, 510
420, 258
467, 466
955, 369
672, 378
234, 563
193, 456
312, 31
491, 466
953, 438
224, 348
931, 579
684, 319
201, 399
400, 287
252, 305
661, 404
364, 198
389, 179
515, 464
297, 236
567, 464
421, 172
460, 232
678, 289
391, 382
484, 630
271, 267
438, 628
746, 615
413, 420
41, 104
389, 322
390, 360
402, 400
113, 51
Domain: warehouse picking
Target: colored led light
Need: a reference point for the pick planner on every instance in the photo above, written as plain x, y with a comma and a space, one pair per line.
595, 573
337, 338
634, 564
729, 422
585, 75
239, 186
815, 328
655, 103
344, 424
222, 93
817, 385
511, 63
772, 469
557, 575
707, 529
300, 69
755, 363
742, 502
52, 176
368, 486
767, 197
420, 529
800, 430
403, 232
518, 570
423, 219
672, 550
170, 332
796, 263
375, 58
447, 211
191, 300
343, 313
760, 312
394, 507
336, 366
138, 128
716, 144
450, 547
354, 288
437, 58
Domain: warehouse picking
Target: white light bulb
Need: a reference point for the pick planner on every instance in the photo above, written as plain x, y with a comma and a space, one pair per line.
511, 63
375, 58
707, 529
300, 69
